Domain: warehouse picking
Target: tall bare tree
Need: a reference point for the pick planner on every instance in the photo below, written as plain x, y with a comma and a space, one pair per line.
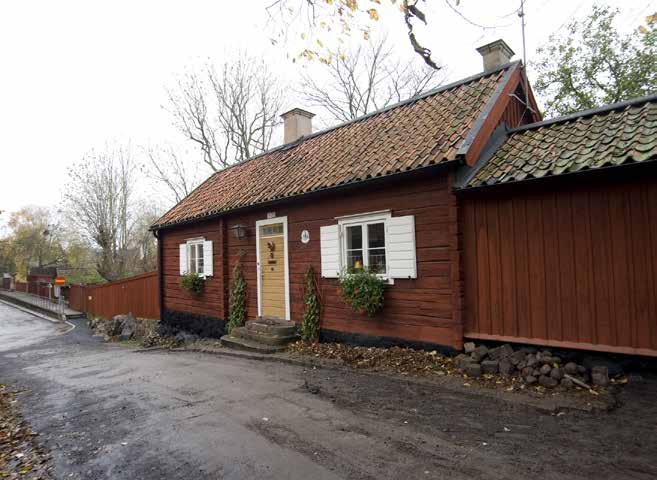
229, 112
144, 244
365, 79
100, 199
175, 172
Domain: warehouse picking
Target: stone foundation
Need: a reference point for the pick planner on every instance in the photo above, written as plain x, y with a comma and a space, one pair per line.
173, 322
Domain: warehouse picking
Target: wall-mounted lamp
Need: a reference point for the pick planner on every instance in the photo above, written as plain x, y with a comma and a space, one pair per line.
239, 231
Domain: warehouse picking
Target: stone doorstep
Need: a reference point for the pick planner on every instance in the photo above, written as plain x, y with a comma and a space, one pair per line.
249, 345
267, 339
279, 328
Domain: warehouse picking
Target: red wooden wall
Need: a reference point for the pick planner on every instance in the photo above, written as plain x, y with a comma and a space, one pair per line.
423, 309
556, 263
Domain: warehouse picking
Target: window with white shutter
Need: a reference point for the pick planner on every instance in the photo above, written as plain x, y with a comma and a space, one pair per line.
184, 266
329, 240
208, 266
401, 247
196, 257
377, 241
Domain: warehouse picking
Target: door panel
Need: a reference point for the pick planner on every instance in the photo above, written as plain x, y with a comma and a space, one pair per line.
272, 271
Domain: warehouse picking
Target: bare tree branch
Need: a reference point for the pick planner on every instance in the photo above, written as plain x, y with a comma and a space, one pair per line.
99, 196
166, 167
367, 79
228, 113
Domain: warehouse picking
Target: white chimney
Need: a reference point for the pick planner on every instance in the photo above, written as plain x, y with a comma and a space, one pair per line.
297, 123
495, 54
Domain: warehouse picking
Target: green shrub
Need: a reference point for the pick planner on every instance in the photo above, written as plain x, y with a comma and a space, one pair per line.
237, 299
193, 283
363, 290
311, 314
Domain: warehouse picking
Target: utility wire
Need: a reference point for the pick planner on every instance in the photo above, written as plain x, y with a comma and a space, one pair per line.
472, 22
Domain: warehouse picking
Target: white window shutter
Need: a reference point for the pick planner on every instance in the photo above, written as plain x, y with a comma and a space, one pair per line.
183, 258
207, 258
330, 249
401, 247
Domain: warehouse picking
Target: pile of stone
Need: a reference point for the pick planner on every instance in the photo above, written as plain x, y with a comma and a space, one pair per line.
535, 367
123, 327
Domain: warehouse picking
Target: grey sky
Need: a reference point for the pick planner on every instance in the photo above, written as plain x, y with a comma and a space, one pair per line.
75, 74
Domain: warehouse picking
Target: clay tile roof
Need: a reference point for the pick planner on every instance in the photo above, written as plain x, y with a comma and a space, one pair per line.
423, 131
606, 137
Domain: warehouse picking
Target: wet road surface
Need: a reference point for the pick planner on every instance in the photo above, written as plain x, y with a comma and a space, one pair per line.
107, 412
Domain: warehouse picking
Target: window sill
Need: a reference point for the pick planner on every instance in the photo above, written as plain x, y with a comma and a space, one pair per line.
385, 278
203, 276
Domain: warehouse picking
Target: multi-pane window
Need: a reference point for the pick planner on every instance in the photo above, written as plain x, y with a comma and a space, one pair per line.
364, 244
195, 257
376, 247
354, 247
271, 230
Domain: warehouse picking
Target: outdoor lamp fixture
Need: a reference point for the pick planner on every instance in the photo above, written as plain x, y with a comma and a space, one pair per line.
239, 231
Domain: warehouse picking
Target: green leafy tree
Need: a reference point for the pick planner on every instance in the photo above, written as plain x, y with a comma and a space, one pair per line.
311, 314
34, 240
593, 64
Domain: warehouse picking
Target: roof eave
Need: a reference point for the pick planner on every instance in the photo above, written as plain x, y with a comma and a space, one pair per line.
443, 164
569, 174
587, 113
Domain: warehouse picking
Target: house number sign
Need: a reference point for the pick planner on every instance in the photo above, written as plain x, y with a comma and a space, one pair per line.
305, 236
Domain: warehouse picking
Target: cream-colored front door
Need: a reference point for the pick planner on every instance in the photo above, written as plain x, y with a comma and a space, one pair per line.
271, 256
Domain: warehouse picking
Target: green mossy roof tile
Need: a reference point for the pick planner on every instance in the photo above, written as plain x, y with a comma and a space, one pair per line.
594, 140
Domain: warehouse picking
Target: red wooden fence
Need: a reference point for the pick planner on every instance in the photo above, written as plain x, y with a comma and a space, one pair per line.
137, 295
571, 265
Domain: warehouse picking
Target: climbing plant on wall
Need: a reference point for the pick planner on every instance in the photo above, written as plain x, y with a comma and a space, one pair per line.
237, 299
312, 309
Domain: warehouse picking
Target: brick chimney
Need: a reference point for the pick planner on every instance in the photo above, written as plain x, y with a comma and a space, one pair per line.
297, 123
495, 54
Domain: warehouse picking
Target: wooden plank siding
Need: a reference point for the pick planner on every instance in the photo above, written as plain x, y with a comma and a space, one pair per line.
563, 263
425, 309
137, 295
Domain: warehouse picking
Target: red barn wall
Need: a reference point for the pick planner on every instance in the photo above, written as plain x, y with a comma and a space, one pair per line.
561, 262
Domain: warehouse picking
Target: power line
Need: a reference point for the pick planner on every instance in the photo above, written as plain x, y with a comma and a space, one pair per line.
472, 22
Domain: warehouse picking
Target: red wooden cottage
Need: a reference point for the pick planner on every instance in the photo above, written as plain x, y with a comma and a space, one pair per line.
435, 193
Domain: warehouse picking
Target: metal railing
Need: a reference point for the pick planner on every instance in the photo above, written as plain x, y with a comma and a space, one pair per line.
40, 294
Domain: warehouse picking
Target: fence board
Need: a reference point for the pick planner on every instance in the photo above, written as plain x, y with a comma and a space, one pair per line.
137, 295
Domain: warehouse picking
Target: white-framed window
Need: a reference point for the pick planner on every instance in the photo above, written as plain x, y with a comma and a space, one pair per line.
196, 257
377, 241
363, 242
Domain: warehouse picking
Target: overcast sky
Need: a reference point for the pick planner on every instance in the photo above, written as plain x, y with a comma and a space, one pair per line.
75, 74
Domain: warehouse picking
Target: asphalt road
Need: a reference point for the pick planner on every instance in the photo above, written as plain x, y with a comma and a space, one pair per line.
107, 412
19, 329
